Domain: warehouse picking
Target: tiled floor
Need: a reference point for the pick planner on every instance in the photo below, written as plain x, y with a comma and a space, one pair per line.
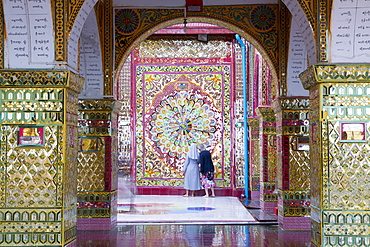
190, 221
179, 209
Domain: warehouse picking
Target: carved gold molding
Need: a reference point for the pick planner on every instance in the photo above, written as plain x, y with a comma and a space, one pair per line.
335, 73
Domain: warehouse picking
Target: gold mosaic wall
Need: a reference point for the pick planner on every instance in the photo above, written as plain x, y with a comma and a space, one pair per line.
97, 159
299, 170
293, 170
91, 168
267, 153
239, 117
340, 171
38, 196
255, 158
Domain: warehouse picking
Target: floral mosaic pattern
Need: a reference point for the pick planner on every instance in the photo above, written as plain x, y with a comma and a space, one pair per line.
179, 114
259, 21
127, 21
185, 47
176, 105
263, 18
181, 119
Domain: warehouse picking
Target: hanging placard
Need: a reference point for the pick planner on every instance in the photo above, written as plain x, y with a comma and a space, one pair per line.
194, 5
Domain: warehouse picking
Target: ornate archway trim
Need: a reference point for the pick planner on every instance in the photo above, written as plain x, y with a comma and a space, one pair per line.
258, 23
257, 45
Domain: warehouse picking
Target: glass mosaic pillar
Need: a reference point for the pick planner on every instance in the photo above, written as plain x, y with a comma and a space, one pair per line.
340, 154
97, 164
293, 171
38, 157
268, 199
254, 157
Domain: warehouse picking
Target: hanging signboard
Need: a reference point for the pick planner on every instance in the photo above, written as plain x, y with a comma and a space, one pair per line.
194, 5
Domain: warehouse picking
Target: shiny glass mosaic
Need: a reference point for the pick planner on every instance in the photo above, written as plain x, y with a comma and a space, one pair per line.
339, 202
177, 105
185, 47
259, 21
38, 195
124, 124
97, 166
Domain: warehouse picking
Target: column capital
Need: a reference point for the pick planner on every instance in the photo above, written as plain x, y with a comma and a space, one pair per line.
338, 73
265, 111
253, 122
291, 103
267, 119
41, 78
106, 104
98, 116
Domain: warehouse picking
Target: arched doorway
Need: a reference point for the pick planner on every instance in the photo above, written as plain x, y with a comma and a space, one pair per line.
185, 90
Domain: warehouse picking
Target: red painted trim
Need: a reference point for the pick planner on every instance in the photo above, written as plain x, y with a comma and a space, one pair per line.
133, 120
181, 191
264, 170
108, 164
232, 119
193, 30
285, 162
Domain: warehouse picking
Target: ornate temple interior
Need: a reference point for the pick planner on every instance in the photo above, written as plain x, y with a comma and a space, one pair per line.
101, 101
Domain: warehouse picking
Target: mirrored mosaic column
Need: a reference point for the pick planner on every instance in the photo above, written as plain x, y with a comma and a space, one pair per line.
38, 157
268, 199
340, 154
254, 157
293, 171
97, 164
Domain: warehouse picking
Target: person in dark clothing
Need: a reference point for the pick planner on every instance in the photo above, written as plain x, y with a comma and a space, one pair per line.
207, 170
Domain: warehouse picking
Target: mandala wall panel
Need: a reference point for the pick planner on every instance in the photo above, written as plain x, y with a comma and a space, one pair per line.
179, 115
177, 105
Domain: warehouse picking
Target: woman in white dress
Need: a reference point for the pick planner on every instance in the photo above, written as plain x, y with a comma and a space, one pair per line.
191, 169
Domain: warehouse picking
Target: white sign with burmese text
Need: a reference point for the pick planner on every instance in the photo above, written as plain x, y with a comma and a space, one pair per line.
29, 34
350, 31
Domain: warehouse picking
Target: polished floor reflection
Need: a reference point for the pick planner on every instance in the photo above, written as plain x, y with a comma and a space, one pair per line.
194, 236
179, 209
178, 221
